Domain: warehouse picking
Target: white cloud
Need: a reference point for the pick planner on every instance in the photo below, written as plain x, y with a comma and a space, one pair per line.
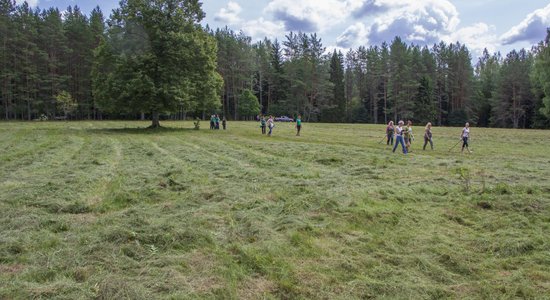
32, 3
356, 34
229, 14
310, 15
422, 22
260, 28
477, 37
531, 29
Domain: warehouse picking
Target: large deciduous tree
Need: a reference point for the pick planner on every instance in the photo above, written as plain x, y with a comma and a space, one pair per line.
156, 58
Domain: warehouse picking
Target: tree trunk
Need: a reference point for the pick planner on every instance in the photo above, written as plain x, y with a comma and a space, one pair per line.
155, 120
386, 100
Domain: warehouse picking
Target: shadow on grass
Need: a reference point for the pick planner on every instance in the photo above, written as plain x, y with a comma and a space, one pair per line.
140, 130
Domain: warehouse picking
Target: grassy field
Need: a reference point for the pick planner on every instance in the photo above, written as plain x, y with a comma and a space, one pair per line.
107, 210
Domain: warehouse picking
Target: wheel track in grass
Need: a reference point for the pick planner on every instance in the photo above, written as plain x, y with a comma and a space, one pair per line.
265, 150
15, 159
246, 152
21, 187
97, 191
223, 225
11, 140
42, 166
328, 170
229, 161
206, 162
326, 173
313, 165
227, 227
332, 181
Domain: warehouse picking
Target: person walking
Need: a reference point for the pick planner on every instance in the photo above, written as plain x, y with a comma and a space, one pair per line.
465, 136
270, 125
408, 135
390, 130
217, 121
224, 123
212, 122
263, 124
298, 125
399, 130
428, 136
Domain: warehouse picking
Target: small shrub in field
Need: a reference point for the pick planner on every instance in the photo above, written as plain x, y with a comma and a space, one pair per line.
502, 189
464, 175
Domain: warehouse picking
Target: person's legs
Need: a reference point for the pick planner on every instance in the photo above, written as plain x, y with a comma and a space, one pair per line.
425, 143
389, 138
465, 144
298, 128
391, 142
431, 143
397, 139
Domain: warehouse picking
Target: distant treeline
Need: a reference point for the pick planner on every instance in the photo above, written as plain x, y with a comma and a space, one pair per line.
47, 57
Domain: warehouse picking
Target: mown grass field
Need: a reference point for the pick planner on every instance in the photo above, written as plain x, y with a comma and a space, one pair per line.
106, 210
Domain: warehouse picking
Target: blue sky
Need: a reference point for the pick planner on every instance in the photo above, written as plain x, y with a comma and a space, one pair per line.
499, 25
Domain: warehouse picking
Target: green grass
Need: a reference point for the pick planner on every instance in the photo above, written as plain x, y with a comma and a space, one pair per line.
107, 210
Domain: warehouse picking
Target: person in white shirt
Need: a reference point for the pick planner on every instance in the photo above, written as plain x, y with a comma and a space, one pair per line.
465, 136
270, 125
399, 130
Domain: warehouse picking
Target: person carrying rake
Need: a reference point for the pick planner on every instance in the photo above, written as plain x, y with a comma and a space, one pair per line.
408, 135
428, 136
389, 133
399, 130
465, 136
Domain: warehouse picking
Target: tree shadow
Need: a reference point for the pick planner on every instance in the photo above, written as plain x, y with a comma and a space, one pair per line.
140, 130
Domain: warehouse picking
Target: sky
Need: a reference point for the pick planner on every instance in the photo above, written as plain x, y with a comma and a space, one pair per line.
498, 25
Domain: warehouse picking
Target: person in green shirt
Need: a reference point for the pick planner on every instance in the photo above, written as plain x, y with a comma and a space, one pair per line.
298, 125
217, 122
408, 135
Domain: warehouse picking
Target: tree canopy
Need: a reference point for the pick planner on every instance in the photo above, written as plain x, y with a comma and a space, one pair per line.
156, 58
153, 58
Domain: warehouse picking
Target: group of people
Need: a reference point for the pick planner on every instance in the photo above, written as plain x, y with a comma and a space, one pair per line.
405, 136
270, 123
395, 135
215, 122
